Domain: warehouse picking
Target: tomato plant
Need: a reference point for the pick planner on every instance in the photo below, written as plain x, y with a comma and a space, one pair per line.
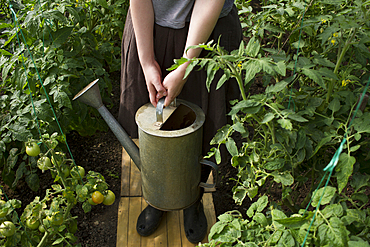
306, 127
7, 228
27, 114
52, 214
32, 149
109, 198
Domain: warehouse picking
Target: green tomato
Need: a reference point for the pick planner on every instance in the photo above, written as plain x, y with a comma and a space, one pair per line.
65, 170
109, 198
32, 149
44, 163
41, 228
3, 211
32, 223
56, 219
90, 200
77, 173
7, 228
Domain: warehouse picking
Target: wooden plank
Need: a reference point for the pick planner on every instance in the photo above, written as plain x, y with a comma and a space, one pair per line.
134, 239
135, 181
135, 178
209, 211
173, 228
125, 173
122, 221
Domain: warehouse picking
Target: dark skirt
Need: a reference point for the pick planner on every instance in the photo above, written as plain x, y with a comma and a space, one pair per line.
169, 44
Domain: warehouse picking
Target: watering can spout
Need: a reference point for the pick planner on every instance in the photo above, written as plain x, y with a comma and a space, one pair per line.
90, 95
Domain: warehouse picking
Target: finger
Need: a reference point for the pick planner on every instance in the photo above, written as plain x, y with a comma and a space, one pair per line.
161, 91
168, 101
152, 95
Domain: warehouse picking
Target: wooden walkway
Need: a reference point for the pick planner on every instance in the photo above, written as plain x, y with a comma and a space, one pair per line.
171, 231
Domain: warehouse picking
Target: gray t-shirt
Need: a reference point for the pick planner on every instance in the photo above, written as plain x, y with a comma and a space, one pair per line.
174, 13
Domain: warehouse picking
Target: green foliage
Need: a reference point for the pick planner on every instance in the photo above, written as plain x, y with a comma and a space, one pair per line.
50, 50
57, 48
314, 77
333, 225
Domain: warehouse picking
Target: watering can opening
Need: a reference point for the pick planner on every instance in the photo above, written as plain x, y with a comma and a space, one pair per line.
181, 118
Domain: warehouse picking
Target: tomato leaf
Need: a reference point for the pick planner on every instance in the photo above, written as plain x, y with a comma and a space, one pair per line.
295, 221
86, 207
253, 47
326, 193
33, 181
285, 124
239, 194
252, 67
333, 234
61, 36
344, 170
58, 241
283, 177
231, 147
315, 76
222, 80
274, 165
258, 206
268, 117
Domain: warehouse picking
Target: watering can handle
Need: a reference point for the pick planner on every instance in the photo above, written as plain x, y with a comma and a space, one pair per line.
159, 109
215, 171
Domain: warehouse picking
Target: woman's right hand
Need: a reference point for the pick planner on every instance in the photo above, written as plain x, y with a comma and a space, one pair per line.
153, 78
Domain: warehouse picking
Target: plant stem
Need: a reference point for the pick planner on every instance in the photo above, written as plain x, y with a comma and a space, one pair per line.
339, 61
238, 79
272, 131
44, 238
308, 196
287, 203
69, 207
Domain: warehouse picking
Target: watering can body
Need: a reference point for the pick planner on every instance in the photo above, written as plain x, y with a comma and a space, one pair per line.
170, 142
170, 157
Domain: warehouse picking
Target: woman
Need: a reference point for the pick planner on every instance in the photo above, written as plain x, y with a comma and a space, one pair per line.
156, 32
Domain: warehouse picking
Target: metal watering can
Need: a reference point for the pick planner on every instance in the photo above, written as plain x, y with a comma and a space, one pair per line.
170, 149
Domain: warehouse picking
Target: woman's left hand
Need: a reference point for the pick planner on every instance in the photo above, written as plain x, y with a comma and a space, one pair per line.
174, 82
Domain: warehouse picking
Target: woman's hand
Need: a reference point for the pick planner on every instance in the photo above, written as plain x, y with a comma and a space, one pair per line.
143, 21
174, 82
153, 79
